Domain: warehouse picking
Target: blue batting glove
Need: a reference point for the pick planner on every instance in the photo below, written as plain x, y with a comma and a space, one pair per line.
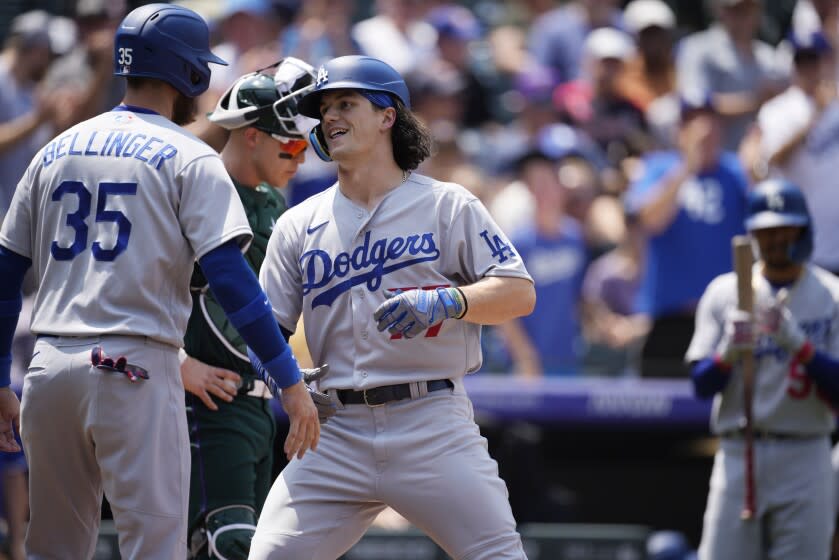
413, 311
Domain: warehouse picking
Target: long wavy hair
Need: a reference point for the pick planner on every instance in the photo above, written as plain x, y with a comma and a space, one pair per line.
411, 139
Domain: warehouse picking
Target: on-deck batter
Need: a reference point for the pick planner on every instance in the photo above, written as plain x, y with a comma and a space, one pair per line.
111, 215
794, 335
393, 273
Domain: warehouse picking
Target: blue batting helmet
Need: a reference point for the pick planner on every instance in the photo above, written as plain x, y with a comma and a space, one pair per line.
166, 42
350, 72
354, 72
776, 203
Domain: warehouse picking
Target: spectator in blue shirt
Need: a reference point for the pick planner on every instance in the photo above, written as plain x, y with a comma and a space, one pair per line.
548, 341
690, 202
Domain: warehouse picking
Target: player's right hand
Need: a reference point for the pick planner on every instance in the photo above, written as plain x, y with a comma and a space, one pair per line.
304, 426
202, 380
738, 336
9, 420
775, 319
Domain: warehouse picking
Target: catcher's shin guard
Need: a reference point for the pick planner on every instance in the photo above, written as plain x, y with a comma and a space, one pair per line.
225, 534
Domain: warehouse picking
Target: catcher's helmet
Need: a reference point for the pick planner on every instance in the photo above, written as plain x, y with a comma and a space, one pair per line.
268, 103
776, 203
350, 72
166, 42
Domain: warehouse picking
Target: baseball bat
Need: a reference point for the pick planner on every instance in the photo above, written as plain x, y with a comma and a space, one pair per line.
743, 260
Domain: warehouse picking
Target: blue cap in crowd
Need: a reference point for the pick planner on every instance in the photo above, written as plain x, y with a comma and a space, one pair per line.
455, 21
813, 44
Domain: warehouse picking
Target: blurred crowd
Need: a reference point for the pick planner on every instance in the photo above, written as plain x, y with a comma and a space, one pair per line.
613, 141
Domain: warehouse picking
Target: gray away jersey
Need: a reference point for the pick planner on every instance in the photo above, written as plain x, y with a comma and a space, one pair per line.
113, 213
335, 263
786, 399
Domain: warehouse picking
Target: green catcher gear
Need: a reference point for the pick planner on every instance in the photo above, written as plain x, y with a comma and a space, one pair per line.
268, 103
225, 535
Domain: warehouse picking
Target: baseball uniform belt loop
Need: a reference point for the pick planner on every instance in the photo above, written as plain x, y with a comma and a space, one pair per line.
256, 388
378, 396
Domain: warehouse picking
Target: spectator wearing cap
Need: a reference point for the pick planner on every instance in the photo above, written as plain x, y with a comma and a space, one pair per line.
612, 120
456, 29
549, 340
513, 206
556, 37
249, 32
799, 139
810, 16
651, 73
740, 72
689, 202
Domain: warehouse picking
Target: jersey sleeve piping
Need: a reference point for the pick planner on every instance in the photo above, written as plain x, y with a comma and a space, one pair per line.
238, 232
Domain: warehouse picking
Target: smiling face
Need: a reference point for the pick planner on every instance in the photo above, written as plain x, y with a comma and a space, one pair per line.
352, 125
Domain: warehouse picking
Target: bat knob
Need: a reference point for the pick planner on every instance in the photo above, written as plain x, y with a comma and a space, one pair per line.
747, 514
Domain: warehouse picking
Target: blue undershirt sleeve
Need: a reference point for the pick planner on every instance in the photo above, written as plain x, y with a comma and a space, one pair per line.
824, 370
12, 269
709, 377
237, 290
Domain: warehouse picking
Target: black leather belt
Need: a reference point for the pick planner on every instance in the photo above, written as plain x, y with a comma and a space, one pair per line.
769, 435
381, 395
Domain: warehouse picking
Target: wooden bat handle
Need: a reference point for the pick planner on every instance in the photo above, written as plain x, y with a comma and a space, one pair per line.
743, 262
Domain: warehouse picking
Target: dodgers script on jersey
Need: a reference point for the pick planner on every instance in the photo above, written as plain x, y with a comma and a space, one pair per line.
341, 261
120, 197
785, 398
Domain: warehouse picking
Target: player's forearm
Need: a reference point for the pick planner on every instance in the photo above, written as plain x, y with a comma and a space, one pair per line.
12, 269
494, 300
824, 370
785, 152
237, 290
709, 376
12, 132
659, 212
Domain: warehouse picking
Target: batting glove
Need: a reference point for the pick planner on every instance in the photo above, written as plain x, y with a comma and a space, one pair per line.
413, 311
323, 402
738, 336
777, 321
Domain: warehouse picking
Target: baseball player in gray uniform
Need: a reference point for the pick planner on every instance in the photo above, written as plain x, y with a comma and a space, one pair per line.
394, 273
111, 215
794, 337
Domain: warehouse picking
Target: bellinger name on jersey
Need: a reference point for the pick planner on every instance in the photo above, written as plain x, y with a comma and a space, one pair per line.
319, 268
110, 143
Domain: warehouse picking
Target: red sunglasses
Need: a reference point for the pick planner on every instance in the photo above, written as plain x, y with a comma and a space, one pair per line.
290, 149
